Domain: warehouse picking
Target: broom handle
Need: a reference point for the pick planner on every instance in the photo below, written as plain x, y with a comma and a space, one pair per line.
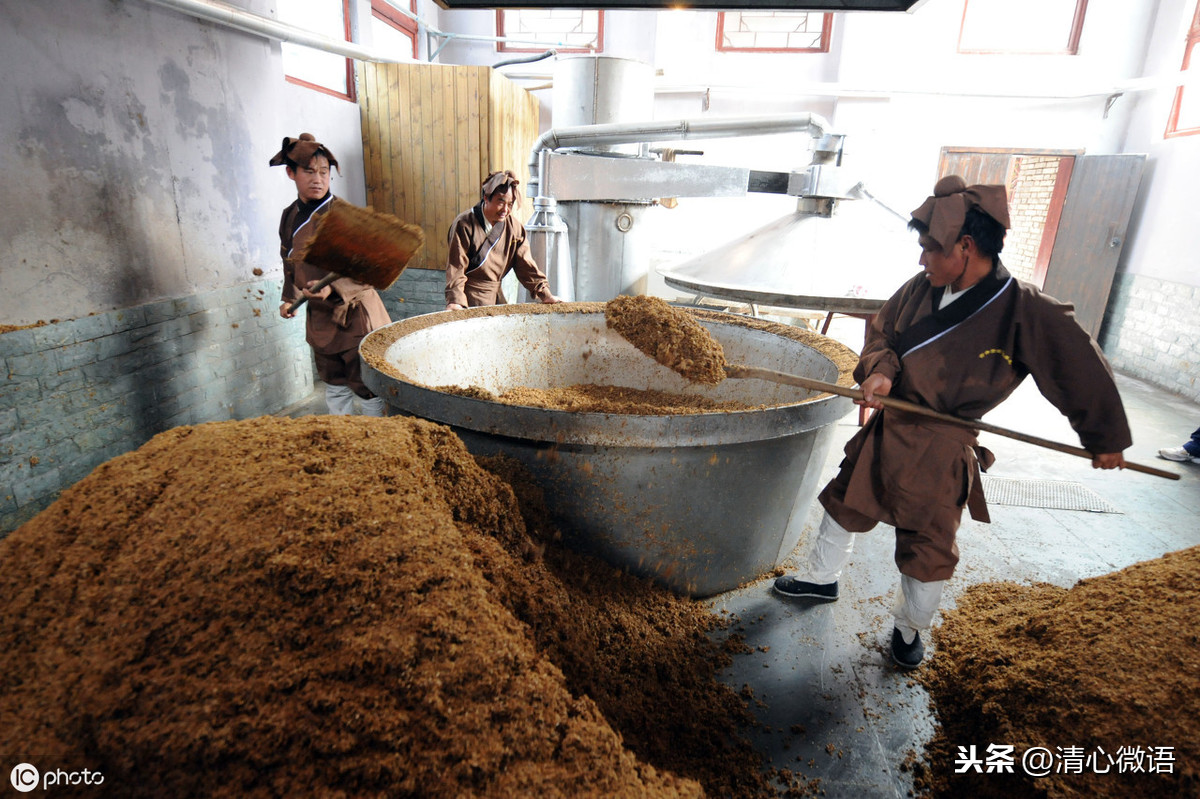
322, 283
743, 371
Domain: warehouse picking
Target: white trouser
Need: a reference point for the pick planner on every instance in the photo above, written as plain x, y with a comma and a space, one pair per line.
339, 400
372, 407
915, 605
830, 552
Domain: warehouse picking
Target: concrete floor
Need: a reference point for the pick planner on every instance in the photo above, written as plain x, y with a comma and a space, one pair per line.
832, 706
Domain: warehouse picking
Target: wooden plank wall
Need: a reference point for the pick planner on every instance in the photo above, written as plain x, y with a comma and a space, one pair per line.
515, 129
431, 134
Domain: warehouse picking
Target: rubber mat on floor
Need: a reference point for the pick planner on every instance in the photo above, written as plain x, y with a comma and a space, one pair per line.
1053, 494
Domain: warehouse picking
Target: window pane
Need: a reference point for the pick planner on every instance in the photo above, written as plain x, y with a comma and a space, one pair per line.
313, 66
574, 28
391, 40
772, 30
1023, 26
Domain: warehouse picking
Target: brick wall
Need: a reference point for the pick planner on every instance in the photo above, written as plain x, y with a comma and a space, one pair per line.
416, 292
82, 391
1032, 189
1151, 332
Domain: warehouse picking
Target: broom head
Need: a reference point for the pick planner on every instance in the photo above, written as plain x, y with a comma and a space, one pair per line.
363, 244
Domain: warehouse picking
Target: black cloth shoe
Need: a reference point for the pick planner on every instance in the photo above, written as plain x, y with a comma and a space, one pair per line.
790, 586
907, 656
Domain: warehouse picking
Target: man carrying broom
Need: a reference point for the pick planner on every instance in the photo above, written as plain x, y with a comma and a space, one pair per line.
958, 339
341, 313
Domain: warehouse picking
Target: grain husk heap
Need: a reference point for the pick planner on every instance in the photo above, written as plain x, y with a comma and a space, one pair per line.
1111, 666
343, 606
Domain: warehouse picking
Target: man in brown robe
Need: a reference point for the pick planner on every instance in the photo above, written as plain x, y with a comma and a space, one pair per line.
485, 243
959, 339
341, 314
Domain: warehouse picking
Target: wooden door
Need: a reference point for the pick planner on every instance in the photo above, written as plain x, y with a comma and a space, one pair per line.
1091, 233
1069, 243
1036, 182
976, 166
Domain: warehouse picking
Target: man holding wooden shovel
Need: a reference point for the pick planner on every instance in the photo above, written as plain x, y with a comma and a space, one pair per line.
341, 313
958, 339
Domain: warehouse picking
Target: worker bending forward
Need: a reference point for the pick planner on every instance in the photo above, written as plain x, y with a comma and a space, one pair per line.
340, 315
485, 243
958, 339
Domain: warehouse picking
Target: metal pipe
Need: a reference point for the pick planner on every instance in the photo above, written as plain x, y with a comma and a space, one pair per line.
526, 60
676, 130
239, 19
233, 17
861, 190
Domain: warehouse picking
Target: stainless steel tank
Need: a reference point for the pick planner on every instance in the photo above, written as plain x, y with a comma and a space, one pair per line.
608, 248
700, 502
596, 89
607, 243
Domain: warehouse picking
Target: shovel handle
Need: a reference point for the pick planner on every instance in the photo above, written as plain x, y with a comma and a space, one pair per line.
743, 371
322, 283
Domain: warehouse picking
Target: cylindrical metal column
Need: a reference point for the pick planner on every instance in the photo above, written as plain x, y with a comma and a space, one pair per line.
607, 253
595, 90
549, 244
608, 249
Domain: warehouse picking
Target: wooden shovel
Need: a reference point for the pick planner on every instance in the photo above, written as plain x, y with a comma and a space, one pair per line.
676, 340
362, 244
742, 371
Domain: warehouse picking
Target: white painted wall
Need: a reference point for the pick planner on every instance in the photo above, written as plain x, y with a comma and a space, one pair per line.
136, 144
1162, 238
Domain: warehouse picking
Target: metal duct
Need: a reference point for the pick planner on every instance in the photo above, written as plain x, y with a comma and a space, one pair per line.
608, 255
603, 207
674, 130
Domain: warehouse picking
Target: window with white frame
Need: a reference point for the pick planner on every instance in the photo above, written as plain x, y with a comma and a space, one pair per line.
1185, 110
392, 31
1042, 27
326, 72
568, 30
773, 31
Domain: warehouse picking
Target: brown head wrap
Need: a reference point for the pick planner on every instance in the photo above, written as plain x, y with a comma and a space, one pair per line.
298, 152
498, 181
945, 212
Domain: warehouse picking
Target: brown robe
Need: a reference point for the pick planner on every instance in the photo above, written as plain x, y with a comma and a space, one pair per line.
479, 259
917, 474
352, 310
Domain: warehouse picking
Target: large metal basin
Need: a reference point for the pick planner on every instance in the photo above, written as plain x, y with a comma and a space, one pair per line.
700, 502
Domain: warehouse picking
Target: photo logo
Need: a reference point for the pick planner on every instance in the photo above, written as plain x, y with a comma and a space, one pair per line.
24, 777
